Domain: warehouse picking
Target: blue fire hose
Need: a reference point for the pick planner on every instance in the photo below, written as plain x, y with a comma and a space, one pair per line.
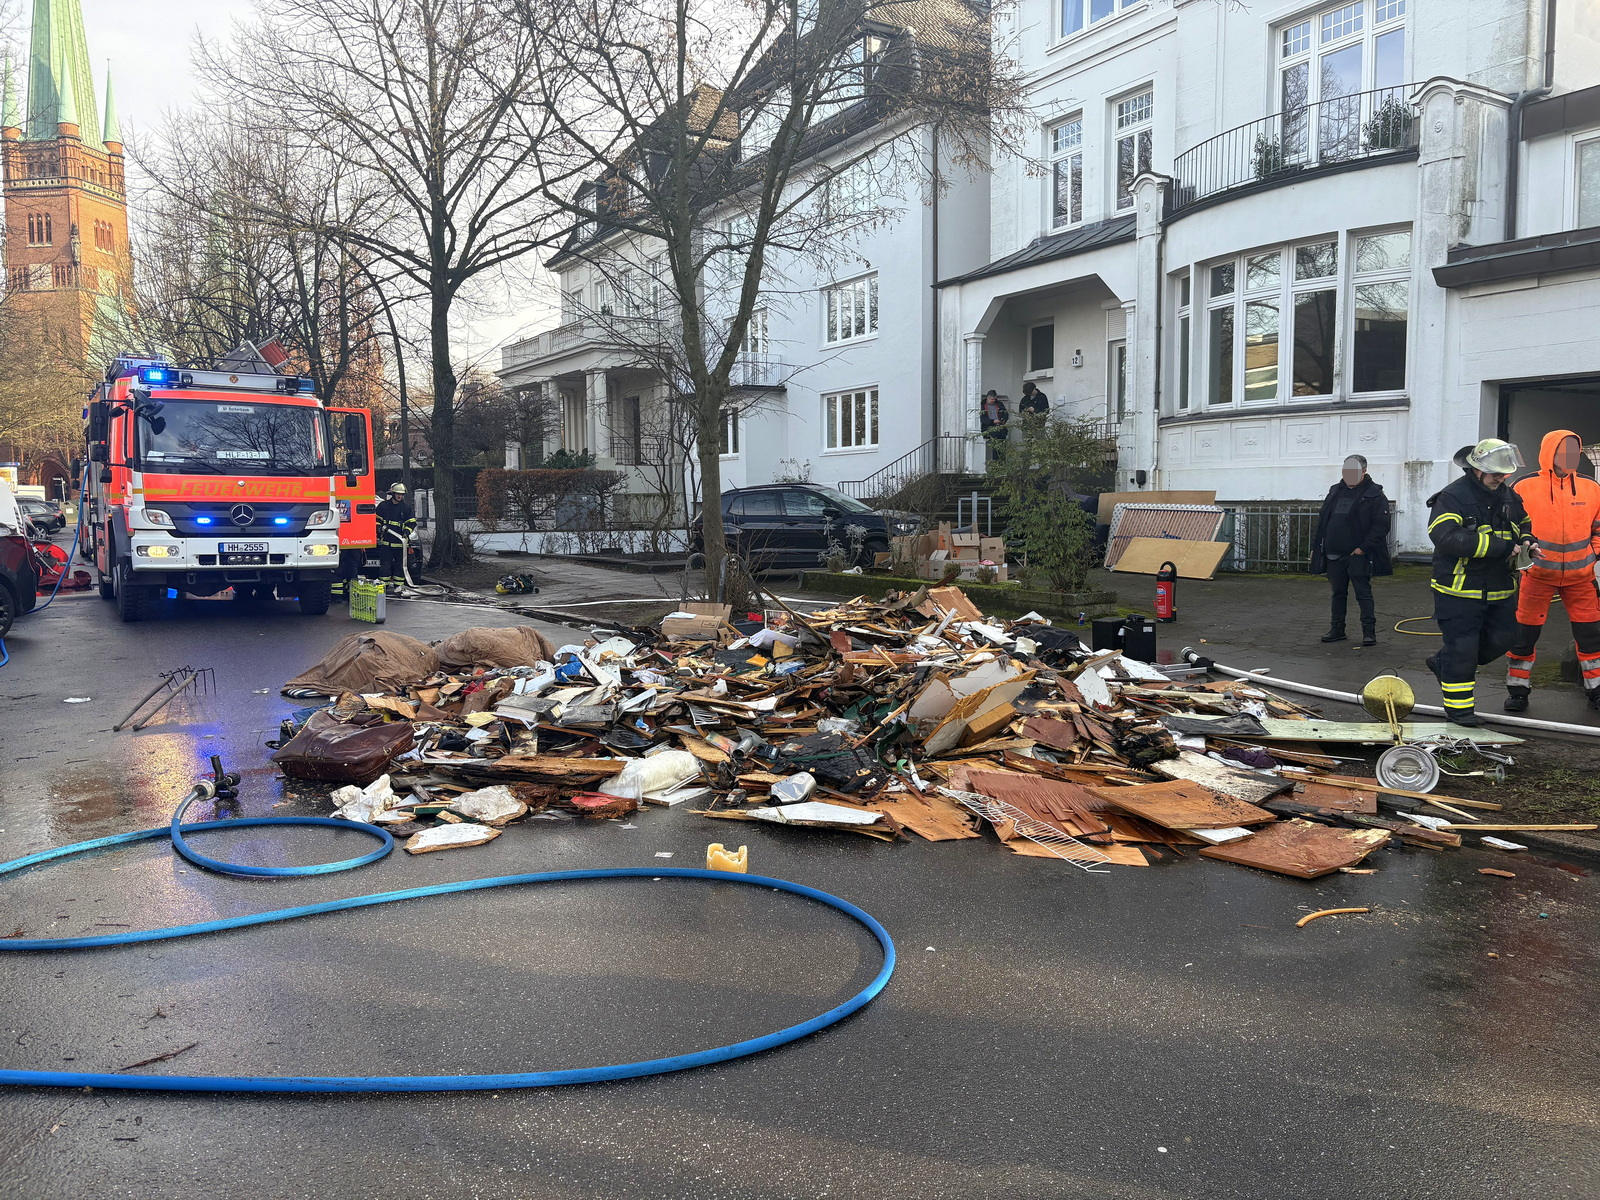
403, 1083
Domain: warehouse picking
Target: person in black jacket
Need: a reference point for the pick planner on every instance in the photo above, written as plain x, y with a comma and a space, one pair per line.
994, 420
397, 525
1476, 525
1033, 401
1351, 545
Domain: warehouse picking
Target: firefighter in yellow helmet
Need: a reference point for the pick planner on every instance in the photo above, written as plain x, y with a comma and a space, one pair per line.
1476, 525
397, 525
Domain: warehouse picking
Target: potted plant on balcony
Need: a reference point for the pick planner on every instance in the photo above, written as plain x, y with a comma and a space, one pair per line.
1389, 127
1268, 156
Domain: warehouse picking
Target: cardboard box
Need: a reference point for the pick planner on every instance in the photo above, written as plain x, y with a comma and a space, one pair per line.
992, 549
962, 540
706, 623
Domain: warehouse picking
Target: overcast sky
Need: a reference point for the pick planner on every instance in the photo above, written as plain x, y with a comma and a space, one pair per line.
149, 44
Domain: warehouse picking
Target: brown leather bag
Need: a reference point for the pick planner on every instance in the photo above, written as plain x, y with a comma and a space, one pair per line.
328, 750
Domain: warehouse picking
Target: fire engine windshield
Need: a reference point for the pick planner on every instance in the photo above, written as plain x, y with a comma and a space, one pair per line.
226, 437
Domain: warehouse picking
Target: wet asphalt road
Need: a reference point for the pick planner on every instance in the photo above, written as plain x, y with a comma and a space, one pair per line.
1151, 1034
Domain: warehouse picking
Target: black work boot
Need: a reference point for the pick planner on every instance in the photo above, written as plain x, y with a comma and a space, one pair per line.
1369, 635
1432, 663
1517, 699
1463, 716
1333, 635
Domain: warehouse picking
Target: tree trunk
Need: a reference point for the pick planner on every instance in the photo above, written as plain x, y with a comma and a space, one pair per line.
448, 550
708, 416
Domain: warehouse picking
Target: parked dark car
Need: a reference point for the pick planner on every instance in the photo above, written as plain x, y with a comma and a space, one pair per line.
793, 524
46, 514
19, 585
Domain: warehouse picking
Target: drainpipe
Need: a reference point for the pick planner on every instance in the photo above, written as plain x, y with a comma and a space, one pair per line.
1514, 119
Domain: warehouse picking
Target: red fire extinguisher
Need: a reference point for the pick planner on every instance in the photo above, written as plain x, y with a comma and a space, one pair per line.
1167, 592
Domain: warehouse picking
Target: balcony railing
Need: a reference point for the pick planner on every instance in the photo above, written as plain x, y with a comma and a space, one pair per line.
1275, 149
604, 329
760, 372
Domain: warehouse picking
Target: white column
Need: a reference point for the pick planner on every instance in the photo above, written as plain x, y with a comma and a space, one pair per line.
595, 414
972, 398
1137, 448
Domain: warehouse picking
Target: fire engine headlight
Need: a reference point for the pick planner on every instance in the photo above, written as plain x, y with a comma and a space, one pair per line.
157, 551
155, 516
322, 551
323, 516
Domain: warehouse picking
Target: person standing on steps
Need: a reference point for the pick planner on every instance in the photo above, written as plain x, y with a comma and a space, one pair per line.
1351, 545
1033, 401
397, 523
1476, 525
993, 420
1564, 514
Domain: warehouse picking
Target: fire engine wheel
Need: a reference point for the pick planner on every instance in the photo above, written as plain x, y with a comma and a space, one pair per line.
104, 586
315, 597
135, 601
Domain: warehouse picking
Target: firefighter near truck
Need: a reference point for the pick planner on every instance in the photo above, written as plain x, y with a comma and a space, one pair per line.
200, 481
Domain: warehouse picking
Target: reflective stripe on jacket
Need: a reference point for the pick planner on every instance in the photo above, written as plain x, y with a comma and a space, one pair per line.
1473, 531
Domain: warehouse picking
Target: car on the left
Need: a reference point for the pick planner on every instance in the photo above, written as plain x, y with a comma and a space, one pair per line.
46, 514
19, 583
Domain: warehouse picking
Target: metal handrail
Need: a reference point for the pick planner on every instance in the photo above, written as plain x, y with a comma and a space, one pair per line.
945, 454
1274, 149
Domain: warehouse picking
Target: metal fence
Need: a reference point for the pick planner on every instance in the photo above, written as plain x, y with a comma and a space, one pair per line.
1270, 537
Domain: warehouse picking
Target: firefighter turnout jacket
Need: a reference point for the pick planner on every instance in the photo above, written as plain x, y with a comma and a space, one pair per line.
396, 522
1474, 531
1564, 514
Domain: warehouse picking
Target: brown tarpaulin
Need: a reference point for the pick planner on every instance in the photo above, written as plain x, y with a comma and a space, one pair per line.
378, 661
512, 646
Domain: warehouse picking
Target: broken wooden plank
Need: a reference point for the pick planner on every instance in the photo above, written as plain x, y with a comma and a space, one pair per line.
932, 817
1346, 781
1183, 805
1300, 848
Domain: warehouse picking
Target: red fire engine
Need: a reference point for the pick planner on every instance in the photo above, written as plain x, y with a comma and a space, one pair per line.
215, 479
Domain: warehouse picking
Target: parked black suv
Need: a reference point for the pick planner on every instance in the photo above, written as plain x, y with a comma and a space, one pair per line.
792, 525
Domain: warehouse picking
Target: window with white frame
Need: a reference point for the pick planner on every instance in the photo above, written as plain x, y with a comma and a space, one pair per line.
1078, 15
1066, 172
1133, 122
1273, 320
1586, 182
756, 343
728, 442
850, 310
1340, 77
847, 81
850, 419
1381, 293
1117, 380
571, 304
1042, 347
1183, 337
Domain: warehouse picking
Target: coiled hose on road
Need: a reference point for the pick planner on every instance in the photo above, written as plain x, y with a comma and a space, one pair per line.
177, 832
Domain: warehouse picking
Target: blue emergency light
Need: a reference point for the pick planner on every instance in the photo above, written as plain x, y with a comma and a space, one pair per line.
280, 520
202, 520
157, 376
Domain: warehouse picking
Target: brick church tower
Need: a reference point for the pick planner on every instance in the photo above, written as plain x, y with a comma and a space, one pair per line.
68, 267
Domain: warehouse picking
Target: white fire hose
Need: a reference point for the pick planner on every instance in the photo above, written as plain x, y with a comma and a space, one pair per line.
1190, 655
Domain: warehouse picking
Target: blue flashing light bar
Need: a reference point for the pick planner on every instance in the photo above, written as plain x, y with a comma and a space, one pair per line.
158, 376
308, 386
202, 520
280, 520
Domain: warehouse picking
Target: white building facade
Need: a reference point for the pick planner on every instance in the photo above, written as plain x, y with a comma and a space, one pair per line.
1266, 237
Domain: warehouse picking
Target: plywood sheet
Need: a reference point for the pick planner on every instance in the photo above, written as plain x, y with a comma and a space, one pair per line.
1194, 560
1057, 735
1183, 805
1282, 729
1120, 856
1187, 522
1335, 799
931, 817
1052, 802
1109, 500
1300, 848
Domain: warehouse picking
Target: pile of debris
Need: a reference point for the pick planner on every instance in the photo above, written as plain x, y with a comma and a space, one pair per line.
910, 715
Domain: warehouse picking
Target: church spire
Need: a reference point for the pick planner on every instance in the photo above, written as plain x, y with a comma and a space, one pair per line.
113, 131
60, 82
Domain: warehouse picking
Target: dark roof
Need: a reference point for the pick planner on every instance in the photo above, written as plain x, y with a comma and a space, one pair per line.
1560, 114
1546, 254
1054, 246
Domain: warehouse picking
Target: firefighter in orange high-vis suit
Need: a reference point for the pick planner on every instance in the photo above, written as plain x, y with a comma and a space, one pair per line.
1564, 514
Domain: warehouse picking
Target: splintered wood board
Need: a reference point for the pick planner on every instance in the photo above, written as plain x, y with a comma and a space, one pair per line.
1118, 855
1183, 805
1300, 848
1279, 729
1047, 731
933, 818
1242, 784
1334, 799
